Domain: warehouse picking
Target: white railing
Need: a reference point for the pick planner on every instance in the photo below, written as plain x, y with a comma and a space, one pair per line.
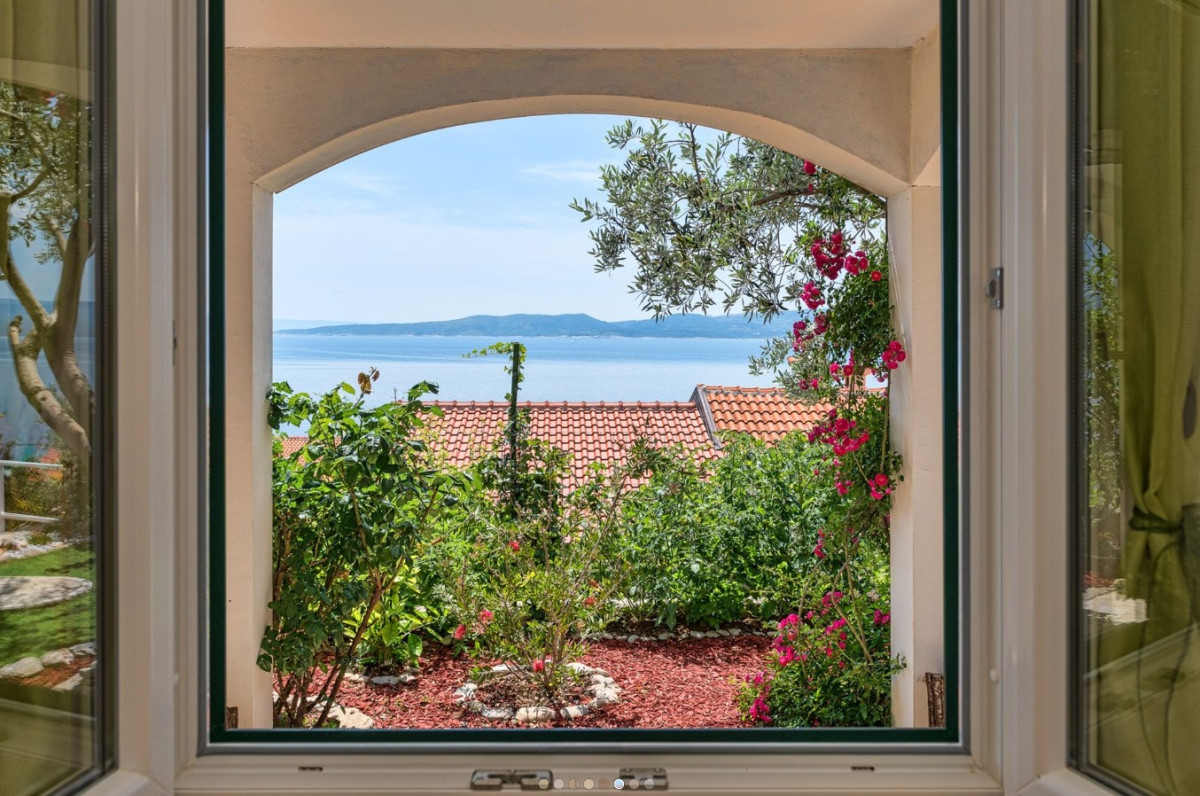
5, 516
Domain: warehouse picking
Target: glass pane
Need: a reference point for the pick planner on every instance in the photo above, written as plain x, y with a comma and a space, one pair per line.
609, 524
50, 574
1139, 306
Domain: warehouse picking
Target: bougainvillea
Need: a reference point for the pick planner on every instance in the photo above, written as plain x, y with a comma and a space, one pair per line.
708, 220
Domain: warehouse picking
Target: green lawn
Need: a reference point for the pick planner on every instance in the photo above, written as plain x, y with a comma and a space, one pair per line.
33, 631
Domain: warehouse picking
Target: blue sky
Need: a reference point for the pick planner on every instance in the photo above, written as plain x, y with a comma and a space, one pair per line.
462, 221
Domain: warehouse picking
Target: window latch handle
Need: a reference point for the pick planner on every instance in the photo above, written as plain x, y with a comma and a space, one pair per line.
525, 780
994, 289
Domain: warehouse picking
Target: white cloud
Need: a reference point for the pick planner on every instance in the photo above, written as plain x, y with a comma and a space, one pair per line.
377, 184
577, 170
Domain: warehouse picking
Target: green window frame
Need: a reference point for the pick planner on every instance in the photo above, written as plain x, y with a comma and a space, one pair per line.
951, 738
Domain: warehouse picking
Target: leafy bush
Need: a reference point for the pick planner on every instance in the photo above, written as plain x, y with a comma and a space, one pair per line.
391, 637
527, 564
349, 507
828, 668
715, 545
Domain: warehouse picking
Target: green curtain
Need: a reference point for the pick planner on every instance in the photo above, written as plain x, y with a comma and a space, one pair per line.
46, 44
1144, 205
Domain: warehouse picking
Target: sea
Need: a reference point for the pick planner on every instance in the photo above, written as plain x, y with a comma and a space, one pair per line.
556, 368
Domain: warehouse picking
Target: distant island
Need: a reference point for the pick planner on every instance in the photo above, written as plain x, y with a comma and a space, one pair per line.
574, 325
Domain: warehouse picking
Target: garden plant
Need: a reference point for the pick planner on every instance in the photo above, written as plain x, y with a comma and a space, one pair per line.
350, 507
739, 224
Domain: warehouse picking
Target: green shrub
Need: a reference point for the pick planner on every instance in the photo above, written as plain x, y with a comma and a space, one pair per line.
529, 577
349, 509
829, 667
718, 545
391, 637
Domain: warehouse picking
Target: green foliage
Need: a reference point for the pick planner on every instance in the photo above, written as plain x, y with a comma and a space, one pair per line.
349, 509
703, 549
34, 491
830, 668
527, 587
391, 637
715, 222
733, 223
714, 546
46, 205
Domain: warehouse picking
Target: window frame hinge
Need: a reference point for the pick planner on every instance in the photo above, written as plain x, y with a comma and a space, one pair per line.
994, 288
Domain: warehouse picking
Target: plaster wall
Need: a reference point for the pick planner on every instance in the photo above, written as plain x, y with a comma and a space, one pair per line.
292, 112
914, 237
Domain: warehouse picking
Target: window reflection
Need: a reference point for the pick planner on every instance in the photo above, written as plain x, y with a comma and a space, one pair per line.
49, 574
1140, 310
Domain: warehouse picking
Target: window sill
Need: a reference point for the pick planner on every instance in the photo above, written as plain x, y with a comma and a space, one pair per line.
742, 774
125, 783
1065, 782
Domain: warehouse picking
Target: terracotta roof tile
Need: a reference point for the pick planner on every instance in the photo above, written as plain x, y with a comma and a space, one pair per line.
765, 413
590, 431
603, 431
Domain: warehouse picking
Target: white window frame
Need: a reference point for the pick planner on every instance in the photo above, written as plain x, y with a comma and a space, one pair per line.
1015, 480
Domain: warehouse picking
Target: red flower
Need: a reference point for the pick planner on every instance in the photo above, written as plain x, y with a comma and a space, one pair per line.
460, 632
810, 168
876, 276
539, 665
514, 545
590, 601
485, 616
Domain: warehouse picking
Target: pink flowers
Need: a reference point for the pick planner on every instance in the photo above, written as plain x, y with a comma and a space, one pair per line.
882, 618
880, 486
811, 296
539, 665
460, 632
485, 616
893, 355
514, 545
835, 626
831, 598
759, 711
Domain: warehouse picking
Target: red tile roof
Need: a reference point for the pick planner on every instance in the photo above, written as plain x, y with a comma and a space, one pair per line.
765, 413
603, 432
590, 431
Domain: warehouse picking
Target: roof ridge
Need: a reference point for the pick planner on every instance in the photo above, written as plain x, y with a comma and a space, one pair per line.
564, 404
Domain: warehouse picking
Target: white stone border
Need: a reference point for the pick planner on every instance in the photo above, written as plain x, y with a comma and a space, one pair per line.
602, 687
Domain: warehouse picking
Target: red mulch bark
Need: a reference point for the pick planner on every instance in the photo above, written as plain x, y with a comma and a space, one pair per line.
664, 684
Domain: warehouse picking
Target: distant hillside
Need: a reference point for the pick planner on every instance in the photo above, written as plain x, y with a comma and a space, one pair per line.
576, 325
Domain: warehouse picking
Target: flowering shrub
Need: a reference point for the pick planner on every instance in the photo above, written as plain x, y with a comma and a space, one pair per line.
527, 588
831, 664
829, 667
527, 565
